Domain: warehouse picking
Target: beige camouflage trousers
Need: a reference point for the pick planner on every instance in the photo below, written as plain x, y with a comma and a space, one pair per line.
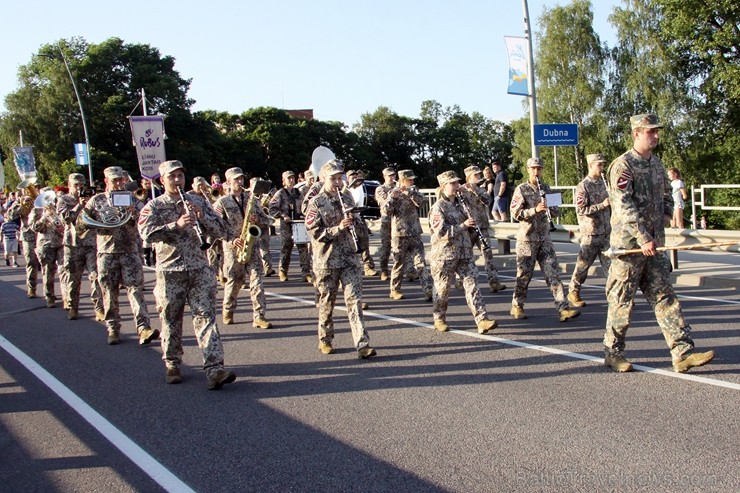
286, 240
327, 284
543, 253
76, 260
592, 247
384, 253
236, 276
197, 288
116, 270
491, 271
405, 248
652, 275
50, 258
443, 273
32, 264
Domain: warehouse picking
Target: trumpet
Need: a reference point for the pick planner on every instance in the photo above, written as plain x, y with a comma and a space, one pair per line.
204, 245
478, 232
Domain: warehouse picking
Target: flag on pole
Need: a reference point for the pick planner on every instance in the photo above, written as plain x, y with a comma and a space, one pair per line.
81, 155
25, 164
148, 135
518, 70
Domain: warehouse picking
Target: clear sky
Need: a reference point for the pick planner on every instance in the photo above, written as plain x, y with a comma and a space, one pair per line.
341, 58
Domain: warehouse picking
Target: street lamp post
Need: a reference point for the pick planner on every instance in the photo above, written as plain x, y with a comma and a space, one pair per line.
82, 112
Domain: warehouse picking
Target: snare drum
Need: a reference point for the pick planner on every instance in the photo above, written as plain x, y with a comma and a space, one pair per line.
300, 236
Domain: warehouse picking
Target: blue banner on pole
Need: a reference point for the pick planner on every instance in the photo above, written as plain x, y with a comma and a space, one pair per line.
556, 134
81, 155
25, 163
518, 69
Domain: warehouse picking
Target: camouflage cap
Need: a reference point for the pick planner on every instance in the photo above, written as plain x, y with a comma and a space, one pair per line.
447, 177
76, 178
199, 180
472, 170
534, 162
389, 171
645, 120
595, 158
287, 174
169, 166
351, 172
332, 168
308, 173
233, 173
112, 172
406, 174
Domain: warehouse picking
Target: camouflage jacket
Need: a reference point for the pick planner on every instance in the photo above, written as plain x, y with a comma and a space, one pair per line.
404, 212
48, 227
233, 212
26, 233
177, 249
382, 194
477, 201
333, 248
450, 238
286, 203
533, 226
309, 194
640, 195
122, 239
69, 208
593, 216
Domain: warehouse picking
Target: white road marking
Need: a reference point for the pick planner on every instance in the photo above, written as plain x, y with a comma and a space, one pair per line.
527, 345
160, 474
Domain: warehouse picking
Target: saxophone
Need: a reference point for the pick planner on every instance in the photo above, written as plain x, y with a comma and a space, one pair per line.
251, 232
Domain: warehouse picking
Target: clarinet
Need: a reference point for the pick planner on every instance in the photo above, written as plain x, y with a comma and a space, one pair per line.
204, 245
348, 213
478, 232
547, 209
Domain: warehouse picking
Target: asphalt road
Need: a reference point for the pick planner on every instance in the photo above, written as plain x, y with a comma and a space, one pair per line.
529, 407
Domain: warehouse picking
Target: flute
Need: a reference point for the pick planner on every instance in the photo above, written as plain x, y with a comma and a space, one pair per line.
204, 245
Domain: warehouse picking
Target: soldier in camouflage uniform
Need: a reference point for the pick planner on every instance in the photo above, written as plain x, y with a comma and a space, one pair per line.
335, 260
233, 209
22, 208
80, 249
477, 200
402, 207
49, 235
382, 194
215, 253
593, 211
119, 259
286, 205
183, 274
642, 204
533, 243
452, 254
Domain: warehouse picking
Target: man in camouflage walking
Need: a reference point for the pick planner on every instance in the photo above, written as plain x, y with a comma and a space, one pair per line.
533, 243
642, 204
333, 243
183, 274
452, 254
593, 212
286, 206
382, 194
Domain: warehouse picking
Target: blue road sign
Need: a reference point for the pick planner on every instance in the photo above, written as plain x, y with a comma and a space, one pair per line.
556, 134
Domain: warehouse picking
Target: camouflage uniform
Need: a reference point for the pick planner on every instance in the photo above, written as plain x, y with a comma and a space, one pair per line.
640, 195
80, 253
287, 203
533, 244
119, 264
403, 210
593, 222
477, 201
335, 261
232, 212
49, 235
28, 239
183, 275
382, 193
452, 254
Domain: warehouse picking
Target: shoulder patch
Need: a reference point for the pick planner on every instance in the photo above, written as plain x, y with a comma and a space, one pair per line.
624, 179
581, 198
311, 216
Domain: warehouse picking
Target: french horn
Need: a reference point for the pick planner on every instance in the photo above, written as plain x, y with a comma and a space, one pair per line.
111, 216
